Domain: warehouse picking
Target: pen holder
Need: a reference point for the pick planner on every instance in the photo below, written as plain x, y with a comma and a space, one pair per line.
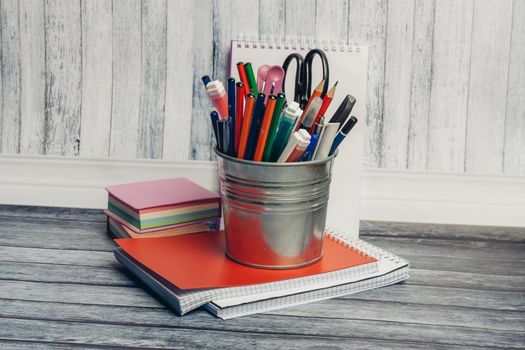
274, 213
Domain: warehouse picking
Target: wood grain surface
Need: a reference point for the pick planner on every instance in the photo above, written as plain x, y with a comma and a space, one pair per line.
121, 78
61, 288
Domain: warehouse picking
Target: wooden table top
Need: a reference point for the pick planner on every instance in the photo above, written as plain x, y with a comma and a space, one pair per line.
61, 288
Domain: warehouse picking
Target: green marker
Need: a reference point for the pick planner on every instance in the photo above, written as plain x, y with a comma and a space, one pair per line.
286, 126
272, 132
251, 78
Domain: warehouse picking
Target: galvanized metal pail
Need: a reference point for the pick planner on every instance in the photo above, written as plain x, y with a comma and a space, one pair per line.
274, 213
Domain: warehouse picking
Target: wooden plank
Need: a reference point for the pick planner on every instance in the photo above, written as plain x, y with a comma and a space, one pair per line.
77, 294
201, 134
245, 18
170, 337
514, 148
179, 72
491, 36
111, 274
465, 280
452, 248
409, 314
56, 235
398, 72
443, 296
331, 20
449, 87
10, 66
222, 19
63, 77
96, 78
153, 83
32, 77
56, 256
36, 345
421, 78
367, 26
126, 81
272, 14
105, 258
157, 324
299, 16
442, 231
78, 214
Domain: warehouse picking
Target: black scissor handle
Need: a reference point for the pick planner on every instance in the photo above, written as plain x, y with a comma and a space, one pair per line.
298, 84
306, 72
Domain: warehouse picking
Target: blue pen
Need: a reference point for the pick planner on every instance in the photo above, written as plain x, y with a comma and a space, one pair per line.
255, 127
214, 118
342, 134
231, 111
205, 80
307, 155
220, 135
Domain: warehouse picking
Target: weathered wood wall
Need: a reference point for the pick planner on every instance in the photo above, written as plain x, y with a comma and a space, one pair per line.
121, 78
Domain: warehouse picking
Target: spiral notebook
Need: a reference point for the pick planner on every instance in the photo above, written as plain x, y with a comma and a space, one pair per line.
349, 66
391, 269
185, 281
382, 269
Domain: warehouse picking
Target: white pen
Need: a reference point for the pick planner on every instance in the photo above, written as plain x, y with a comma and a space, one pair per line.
330, 130
299, 140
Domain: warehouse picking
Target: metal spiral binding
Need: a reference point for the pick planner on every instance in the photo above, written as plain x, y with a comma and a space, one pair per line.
293, 43
361, 246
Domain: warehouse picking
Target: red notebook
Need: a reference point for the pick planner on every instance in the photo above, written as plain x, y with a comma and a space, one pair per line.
198, 261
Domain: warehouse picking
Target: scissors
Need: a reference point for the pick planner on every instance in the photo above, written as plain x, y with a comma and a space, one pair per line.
303, 75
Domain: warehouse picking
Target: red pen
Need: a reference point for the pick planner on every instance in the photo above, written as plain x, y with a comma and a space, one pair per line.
238, 114
244, 79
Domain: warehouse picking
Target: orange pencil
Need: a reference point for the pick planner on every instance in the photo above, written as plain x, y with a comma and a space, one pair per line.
316, 93
326, 103
265, 126
246, 122
238, 114
244, 79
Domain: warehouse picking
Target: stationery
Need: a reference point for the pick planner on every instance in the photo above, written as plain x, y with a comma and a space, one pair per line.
238, 115
255, 127
325, 143
218, 96
246, 125
295, 147
342, 134
348, 65
284, 130
241, 291
272, 132
231, 115
158, 203
265, 127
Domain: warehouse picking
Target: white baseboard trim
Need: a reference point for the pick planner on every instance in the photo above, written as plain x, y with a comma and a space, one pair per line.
386, 195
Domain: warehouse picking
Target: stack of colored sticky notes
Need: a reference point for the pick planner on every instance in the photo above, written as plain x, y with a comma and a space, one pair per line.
161, 208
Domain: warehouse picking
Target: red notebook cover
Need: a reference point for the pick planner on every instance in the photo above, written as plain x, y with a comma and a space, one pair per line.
198, 261
158, 193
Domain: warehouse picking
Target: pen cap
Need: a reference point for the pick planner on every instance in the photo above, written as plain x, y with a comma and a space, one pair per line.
291, 110
215, 88
349, 125
344, 110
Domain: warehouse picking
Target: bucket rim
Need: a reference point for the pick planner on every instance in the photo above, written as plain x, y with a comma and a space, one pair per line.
275, 164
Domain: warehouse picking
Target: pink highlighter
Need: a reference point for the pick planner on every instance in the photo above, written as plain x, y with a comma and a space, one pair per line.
219, 99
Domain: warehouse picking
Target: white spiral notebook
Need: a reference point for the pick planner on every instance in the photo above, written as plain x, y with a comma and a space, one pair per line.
349, 66
237, 301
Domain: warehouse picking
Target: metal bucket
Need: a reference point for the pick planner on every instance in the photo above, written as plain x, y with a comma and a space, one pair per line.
274, 213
